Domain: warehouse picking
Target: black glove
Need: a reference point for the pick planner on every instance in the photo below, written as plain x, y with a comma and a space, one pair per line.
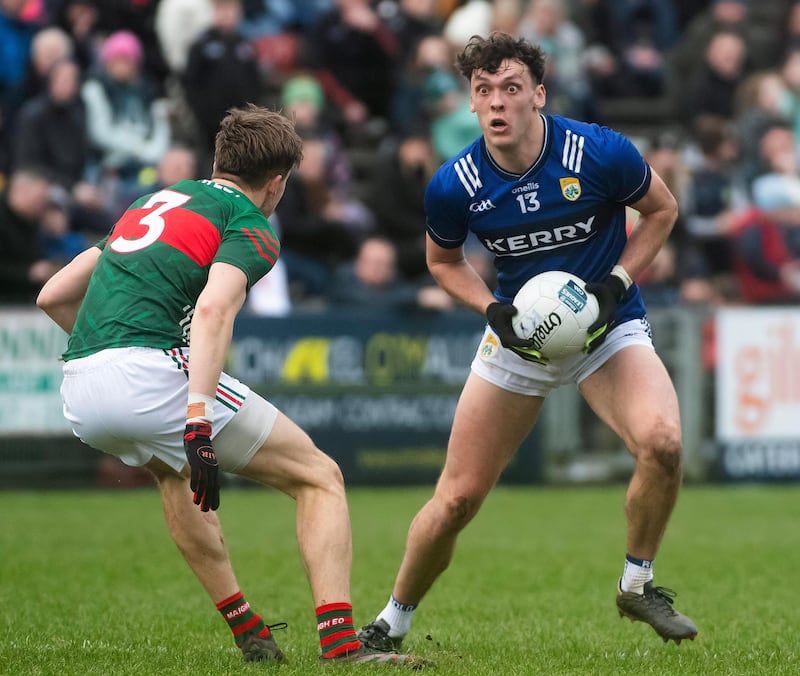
499, 317
609, 294
203, 461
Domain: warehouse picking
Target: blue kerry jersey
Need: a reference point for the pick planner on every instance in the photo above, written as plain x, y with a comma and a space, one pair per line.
567, 212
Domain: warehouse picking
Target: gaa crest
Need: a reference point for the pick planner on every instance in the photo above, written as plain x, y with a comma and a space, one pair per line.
570, 188
489, 347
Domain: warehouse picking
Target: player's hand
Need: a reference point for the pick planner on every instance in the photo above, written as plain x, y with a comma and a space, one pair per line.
499, 317
529, 354
609, 294
203, 461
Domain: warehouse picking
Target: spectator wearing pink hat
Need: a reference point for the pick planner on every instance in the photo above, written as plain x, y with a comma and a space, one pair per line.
128, 123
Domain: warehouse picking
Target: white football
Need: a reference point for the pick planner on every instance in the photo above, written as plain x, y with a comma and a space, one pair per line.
555, 311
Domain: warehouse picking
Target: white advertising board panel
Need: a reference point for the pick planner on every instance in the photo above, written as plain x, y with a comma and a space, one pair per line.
758, 392
30, 374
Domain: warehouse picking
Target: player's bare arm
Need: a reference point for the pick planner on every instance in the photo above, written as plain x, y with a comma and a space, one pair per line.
455, 275
212, 326
62, 294
658, 211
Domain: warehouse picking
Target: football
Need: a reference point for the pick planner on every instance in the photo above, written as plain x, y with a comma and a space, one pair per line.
554, 310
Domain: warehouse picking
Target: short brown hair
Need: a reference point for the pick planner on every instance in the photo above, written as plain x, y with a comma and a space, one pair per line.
488, 53
254, 144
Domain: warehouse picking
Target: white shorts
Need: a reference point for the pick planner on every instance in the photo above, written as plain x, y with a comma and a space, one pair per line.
506, 369
131, 402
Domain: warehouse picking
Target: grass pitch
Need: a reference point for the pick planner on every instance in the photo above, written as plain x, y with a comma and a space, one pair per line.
90, 583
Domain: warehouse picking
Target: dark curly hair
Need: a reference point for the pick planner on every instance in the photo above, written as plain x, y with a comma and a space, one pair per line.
488, 53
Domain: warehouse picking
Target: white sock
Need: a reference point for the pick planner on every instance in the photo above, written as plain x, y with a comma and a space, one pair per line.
398, 617
636, 573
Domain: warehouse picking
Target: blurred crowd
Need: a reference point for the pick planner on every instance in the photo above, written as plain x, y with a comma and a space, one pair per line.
102, 101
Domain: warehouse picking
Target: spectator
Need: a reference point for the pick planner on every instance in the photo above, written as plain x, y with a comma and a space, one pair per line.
51, 128
777, 190
767, 237
761, 101
652, 22
711, 203
453, 124
790, 101
221, 72
395, 195
568, 88
593, 17
138, 17
411, 21
372, 282
128, 124
178, 163
712, 89
49, 46
762, 49
791, 27
322, 223
506, 15
58, 241
660, 281
16, 36
24, 267
431, 54
80, 19
352, 52
51, 132
263, 18
767, 271
644, 32
178, 24
303, 100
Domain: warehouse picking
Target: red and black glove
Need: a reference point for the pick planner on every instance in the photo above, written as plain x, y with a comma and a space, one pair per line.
203, 462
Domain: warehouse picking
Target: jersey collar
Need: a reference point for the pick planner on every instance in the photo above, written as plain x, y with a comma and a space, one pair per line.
540, 161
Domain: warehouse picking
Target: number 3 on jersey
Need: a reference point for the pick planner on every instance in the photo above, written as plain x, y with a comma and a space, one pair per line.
163, 201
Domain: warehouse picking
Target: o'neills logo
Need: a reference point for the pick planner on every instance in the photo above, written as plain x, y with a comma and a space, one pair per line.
544, 328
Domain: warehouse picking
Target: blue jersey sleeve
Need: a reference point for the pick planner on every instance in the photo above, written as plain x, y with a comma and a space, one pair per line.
628, 173
445, 216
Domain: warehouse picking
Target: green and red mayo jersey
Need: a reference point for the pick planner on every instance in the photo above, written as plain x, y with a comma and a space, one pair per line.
155, 262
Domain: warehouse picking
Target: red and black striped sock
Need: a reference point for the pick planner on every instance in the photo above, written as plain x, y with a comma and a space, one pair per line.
241, 619
336, 632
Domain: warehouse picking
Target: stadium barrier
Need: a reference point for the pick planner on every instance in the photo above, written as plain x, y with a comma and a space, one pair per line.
378, 393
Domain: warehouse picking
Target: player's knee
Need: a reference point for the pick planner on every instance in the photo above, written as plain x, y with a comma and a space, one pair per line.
661, 446
458, 510
327, 473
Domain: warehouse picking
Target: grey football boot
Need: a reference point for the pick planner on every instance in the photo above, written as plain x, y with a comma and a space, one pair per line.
367, 655
256, 649
375, 636
654, 607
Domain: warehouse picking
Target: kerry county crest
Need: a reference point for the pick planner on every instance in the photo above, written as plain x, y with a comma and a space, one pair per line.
570, 188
